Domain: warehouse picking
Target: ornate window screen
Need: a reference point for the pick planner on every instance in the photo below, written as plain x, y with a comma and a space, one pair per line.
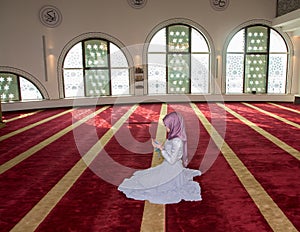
278, 63
17, 88
284, 6
95, 67
178, 61
256, 61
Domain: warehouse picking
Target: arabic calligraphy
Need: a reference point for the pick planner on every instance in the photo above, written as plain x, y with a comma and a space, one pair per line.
50, 16
219, 4
137, 3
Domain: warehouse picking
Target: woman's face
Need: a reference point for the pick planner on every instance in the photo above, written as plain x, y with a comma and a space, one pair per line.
168, 129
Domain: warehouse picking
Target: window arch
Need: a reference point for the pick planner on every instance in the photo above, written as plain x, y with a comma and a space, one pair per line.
16, 85
257, 61
94, 66
178, 60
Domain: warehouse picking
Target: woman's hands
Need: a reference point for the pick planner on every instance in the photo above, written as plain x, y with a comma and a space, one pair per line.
185, 162
157, 145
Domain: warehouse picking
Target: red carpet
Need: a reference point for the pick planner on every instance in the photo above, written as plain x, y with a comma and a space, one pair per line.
276, 170
98, 206
289, 115
226, 206
30, 180
95, 204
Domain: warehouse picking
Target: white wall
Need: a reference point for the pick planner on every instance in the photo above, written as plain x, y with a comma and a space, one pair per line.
296, 69
21, 31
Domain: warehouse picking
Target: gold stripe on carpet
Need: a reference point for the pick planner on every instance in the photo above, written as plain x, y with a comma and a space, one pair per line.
33, 125
21, 116
154, 214
292, 151
40, 211
286, 108
268, 208
18, 159
273, 115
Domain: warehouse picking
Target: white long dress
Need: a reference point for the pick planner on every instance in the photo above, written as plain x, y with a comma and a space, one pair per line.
167, 183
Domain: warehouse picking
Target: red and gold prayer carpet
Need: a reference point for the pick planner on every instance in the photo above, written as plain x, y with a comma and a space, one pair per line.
59, 168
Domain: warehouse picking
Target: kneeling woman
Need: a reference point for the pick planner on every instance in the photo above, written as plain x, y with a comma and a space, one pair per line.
169, 182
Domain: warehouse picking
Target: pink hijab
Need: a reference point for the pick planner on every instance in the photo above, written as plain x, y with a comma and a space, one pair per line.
174, 121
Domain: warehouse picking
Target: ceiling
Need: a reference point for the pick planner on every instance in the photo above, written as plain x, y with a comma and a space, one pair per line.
289, 22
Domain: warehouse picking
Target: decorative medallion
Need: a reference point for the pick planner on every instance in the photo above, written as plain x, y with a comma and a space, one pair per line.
137, 4
50, 16
219, 4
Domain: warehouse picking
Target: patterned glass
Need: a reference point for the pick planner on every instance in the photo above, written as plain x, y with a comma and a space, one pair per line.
277, 44
9, 88
102, 72
178, 73
73, 83
237, 43
184, 67
200, 73
277, 73
262, 59
178, 38
74, 57
119, 81
158, 42
96, 54
97, 83
119, 75
198, 43
29, 91
234, 73
117, 57
257, 39
255, 73
157, 74
277, 64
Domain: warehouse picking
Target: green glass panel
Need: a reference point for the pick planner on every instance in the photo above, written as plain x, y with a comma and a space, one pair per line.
257, 39
178, 38
97, 83
9, 87
96, 53
255, 73
178, 73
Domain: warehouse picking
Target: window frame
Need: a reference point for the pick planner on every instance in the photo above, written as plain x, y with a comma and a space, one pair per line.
85, 68
21, 74
289, 47
168, 52
212, 62
91, 36
246, 53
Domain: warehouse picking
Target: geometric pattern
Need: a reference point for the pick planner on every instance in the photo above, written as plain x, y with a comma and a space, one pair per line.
16, 88
95, 67
234, 73
255, 73
259, 67
277, 73
9, 87
181, 68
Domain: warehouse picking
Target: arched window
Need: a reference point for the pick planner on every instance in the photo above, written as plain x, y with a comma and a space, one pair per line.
178, 61
256, 61
14, 87
95, 67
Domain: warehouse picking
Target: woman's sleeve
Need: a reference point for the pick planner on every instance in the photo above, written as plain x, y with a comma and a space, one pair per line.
173, 153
